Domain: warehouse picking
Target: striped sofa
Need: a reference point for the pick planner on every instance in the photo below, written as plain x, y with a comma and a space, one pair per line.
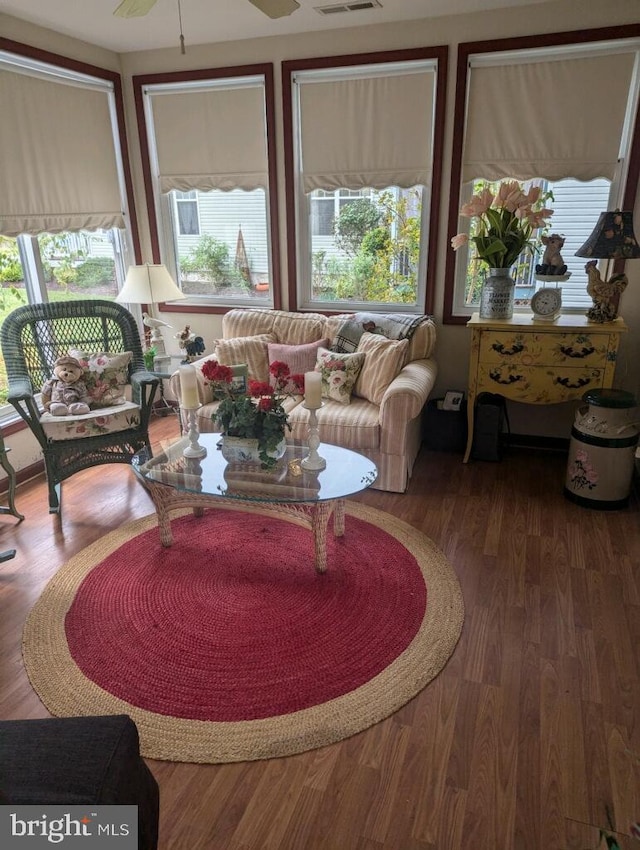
388, 432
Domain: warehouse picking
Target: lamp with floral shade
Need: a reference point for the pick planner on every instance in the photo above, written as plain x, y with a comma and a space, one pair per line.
612, 239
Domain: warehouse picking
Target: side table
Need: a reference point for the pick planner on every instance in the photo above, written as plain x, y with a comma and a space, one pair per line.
11, 475
165, 406
537, 362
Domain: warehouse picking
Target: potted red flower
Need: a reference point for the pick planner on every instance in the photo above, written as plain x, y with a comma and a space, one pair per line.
257, 419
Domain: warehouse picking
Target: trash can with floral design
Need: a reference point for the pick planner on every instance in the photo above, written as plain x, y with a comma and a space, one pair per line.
602, 450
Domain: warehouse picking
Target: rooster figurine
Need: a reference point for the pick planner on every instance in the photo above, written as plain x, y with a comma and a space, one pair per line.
605, 293
192, 344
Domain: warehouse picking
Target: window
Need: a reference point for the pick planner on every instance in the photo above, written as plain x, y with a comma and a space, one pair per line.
230, 255
323, 212
362, 179
186, 213
583, 170
365, 245
209, 135
64, 212
57, 267
576, 208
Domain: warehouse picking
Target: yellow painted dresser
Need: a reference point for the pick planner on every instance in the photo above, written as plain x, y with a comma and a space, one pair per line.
537, 362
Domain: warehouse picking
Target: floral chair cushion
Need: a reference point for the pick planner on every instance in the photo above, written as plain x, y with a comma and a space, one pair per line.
105, 376
103, 421
339, 373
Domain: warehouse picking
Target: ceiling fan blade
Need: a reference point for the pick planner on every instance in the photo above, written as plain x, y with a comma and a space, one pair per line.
134, 8
276, 8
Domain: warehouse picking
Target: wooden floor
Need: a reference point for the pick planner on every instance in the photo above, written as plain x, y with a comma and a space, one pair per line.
529, 738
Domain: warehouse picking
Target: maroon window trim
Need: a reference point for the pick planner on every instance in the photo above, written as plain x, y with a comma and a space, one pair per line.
467, 49
264, 69
440, 53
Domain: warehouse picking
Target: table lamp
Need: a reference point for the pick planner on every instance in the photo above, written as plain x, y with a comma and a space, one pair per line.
150, 284
612, 239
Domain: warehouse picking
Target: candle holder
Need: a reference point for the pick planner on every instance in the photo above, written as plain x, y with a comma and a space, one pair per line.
193, 473
194, 449
313, 461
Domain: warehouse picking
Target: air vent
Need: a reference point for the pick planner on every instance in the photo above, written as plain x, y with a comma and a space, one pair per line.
357, 6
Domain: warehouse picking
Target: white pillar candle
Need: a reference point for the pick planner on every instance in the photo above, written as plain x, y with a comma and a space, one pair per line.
189, 387
313, 389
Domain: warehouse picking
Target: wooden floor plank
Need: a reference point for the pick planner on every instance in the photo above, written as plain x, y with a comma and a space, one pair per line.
529, 739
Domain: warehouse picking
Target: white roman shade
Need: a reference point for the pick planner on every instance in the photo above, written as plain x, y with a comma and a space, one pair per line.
58, 167
366, 131
554, 118
211, 139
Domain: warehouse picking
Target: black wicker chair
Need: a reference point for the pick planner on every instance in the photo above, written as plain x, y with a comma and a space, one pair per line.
33, 337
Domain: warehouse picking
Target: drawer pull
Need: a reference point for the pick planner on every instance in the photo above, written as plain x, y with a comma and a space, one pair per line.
511, 379
573, 385
570, 351
516, 348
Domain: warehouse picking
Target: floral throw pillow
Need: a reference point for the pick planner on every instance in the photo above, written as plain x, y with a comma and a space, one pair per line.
105, 376
339, 373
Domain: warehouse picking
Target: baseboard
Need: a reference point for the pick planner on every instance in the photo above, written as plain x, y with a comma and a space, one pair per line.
531, 441
23, 475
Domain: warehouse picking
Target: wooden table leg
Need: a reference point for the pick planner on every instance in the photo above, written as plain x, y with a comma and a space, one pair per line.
472, 392
471, 403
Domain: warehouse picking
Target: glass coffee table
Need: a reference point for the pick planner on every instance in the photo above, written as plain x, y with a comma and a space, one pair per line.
175, 481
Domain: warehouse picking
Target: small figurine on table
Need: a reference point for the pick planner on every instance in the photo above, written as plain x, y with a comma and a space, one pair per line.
604, 293
191, 344
552, 262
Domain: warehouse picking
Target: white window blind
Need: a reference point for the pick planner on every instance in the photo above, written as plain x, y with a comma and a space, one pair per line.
366, 131
58, 169
211, 139
550, 118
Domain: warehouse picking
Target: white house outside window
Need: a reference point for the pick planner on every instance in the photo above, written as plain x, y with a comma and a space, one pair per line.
327, 206
186, 211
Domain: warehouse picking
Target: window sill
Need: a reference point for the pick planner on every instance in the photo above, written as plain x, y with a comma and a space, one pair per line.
214, 305
10, 421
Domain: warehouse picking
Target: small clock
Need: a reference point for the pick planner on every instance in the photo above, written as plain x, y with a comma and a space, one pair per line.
546, 304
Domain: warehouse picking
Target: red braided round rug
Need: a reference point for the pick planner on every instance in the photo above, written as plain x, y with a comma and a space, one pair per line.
229, 646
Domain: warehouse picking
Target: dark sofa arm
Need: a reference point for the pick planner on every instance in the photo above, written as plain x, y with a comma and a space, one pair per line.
79, 761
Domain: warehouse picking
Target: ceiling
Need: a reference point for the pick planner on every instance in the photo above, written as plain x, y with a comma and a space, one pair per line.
210, 21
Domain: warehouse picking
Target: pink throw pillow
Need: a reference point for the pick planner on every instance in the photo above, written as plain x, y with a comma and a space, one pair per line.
299, 358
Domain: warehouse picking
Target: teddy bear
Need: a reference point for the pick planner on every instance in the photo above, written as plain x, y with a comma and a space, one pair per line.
66, 393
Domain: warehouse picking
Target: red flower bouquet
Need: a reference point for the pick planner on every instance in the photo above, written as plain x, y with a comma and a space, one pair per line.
260, 415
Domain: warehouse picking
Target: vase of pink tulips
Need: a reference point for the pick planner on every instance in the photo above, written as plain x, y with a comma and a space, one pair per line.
503, 225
